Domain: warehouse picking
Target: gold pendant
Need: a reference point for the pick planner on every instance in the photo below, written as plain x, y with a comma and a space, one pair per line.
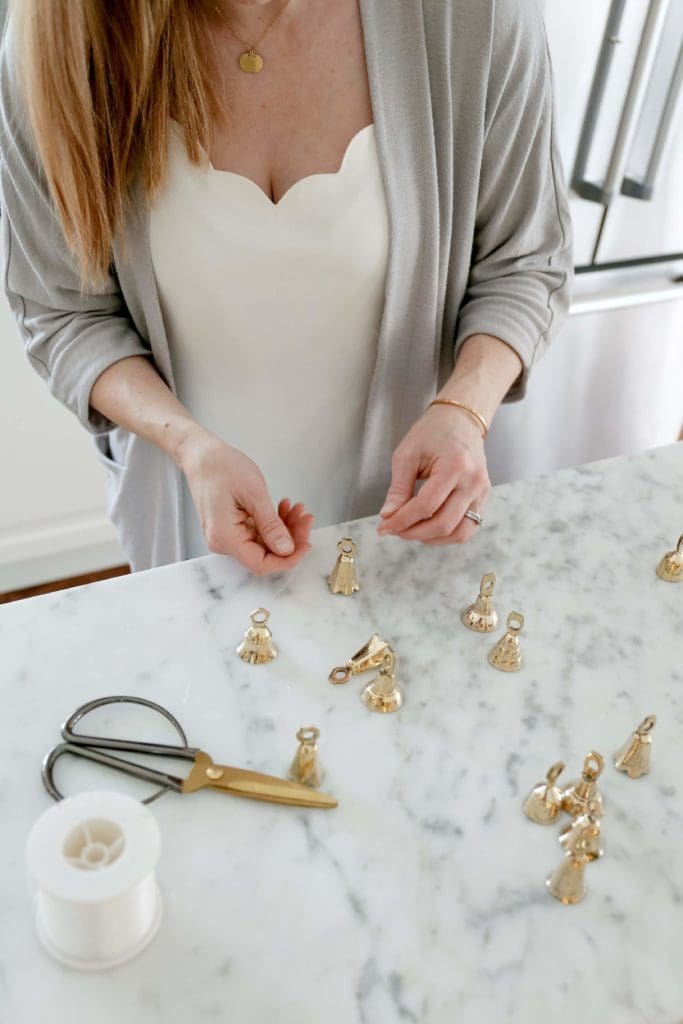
251, 62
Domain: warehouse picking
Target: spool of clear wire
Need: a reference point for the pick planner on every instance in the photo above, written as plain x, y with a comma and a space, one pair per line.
91, 859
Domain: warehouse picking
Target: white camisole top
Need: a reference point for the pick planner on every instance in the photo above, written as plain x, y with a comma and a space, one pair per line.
272, 312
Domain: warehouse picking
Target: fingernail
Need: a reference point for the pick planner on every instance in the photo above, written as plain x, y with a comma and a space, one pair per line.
388, 508
284, 545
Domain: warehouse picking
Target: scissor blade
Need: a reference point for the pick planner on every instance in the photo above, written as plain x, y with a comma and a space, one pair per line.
253, 785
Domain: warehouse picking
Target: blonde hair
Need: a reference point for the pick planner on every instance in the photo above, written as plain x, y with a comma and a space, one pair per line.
101, 80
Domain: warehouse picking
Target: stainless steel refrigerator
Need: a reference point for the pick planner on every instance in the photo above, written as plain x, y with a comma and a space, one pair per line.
612, 382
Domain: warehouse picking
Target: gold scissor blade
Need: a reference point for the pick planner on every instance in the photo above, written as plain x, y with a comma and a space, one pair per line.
252, 785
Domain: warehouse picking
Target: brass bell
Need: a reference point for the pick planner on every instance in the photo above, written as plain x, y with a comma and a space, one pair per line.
258, 648
343, 579
383, 693
671, 566
507, 654
634, 757
582, 836
370, 655
583, 795
544, 802
305, 767
581, 841
481, 616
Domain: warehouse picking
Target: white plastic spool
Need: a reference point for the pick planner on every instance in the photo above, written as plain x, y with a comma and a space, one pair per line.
91, 858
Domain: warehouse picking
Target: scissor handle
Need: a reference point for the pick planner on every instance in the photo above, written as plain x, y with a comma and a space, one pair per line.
82, 746
139, 771
137, 747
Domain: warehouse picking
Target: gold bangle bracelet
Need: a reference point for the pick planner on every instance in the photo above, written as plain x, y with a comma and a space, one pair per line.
468, 408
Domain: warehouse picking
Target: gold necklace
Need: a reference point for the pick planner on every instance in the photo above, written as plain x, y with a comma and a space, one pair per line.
250, 61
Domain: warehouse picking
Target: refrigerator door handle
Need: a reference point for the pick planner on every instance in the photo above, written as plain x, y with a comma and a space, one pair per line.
645, 189
615, 298
635, 96
610, 39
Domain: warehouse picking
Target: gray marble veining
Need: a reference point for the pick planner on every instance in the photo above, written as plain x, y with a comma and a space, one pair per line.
421, 897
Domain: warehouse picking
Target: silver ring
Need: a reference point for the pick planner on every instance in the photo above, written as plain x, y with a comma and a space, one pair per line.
474, 516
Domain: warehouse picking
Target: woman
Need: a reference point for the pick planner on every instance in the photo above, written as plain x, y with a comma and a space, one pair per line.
248, 242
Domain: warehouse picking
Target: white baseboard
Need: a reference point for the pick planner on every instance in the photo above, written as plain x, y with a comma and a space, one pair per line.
55, 551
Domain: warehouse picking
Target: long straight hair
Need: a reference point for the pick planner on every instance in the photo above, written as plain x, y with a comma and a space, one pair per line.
101, 78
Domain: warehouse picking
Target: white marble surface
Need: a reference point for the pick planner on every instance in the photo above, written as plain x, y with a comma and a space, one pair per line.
421, 897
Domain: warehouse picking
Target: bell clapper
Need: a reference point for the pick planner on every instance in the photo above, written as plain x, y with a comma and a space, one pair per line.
369, 656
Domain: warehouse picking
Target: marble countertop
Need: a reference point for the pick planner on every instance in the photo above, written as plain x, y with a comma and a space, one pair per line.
421, 898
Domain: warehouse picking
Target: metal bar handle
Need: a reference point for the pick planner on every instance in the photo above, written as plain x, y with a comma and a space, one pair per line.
607, 300
645, 189
610, 39
635, 97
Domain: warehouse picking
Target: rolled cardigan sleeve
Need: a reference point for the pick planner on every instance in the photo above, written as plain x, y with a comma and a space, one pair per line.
521, 272
69, 337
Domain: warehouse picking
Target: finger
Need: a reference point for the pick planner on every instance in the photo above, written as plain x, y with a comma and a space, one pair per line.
443, 479
271, 529
465, 530
447, 519
284, 508
404, 471
261, 562
301, 530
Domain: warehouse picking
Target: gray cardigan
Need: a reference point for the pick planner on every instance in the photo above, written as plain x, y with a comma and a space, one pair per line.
480, 241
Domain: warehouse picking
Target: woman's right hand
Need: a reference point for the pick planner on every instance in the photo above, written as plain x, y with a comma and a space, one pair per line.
235, 510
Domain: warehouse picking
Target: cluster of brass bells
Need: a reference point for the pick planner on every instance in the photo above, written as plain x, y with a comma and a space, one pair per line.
482, 617
546, 800
583, 802
258, 648
305, 767
343, 578
382, 693
580, 840
670, 567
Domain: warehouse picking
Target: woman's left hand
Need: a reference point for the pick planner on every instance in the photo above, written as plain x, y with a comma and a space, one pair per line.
446, 450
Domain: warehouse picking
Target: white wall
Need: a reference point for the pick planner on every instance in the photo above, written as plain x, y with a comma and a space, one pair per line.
53, 522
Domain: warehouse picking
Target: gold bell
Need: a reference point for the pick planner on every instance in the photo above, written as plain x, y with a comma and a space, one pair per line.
582, 837
671, 566
583, 795
544, 802
258, 648
383, 692
634, 757
370, 655
306, 766
566, 883
507, 654
343, 579
482, 616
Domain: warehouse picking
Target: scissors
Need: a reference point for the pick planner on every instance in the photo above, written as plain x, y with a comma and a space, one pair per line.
204, 773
